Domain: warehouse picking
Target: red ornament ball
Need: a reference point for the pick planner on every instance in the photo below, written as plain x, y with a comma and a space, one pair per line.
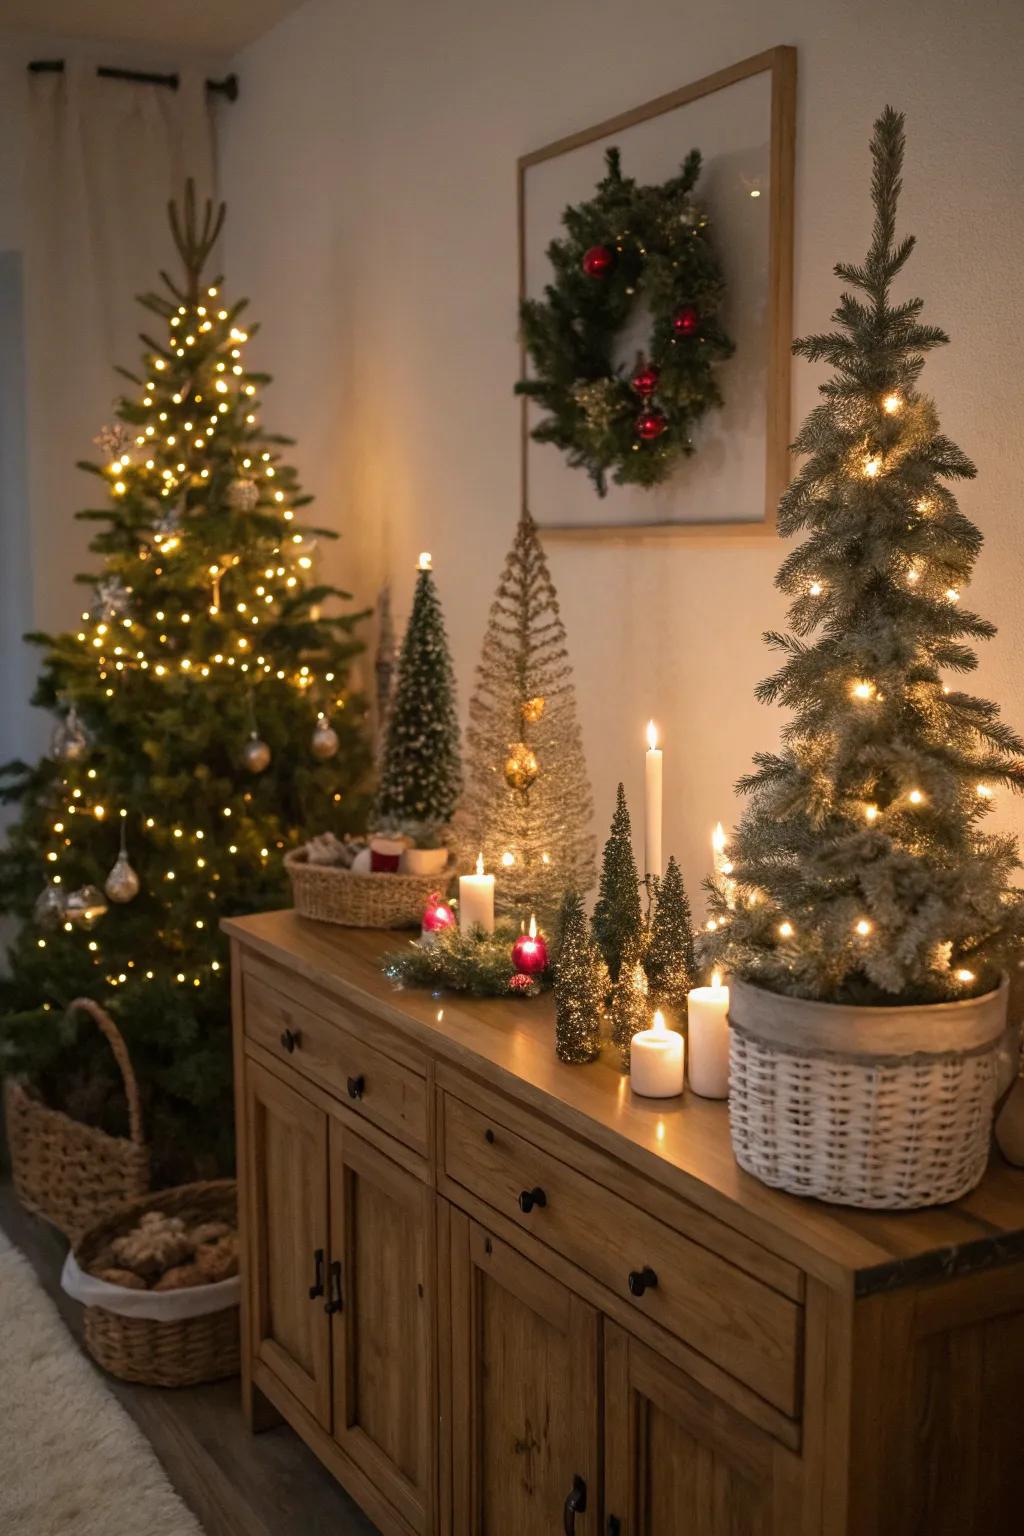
645, 380
437, 915
530, 952
650, 426
686, 321
598, 261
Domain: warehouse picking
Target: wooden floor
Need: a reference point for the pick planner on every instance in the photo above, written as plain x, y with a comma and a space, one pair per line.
238, 1484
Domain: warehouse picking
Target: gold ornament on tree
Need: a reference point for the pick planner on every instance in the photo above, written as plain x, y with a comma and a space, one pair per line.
533, 709
325, 740
122, 884
521, 766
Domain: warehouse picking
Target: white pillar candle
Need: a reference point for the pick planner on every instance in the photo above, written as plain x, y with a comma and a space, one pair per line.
652, 803
476, 900
656, 1061
708, 1029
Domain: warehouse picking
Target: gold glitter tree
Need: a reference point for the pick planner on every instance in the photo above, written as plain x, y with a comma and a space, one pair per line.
527, 804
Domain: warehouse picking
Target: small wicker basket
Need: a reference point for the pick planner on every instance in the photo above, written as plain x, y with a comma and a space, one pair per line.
334, 895
69, 1173
181, 1353
887, 1108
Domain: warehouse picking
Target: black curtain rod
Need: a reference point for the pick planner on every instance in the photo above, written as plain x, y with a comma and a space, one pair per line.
228, 87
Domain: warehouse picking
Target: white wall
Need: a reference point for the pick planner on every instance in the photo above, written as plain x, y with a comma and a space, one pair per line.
369, 172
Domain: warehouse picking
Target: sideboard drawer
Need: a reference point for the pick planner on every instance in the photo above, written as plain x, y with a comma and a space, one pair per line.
743, 1325
370, 1083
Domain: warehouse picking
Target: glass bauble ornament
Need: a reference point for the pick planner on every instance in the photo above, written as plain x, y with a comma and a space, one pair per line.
70, 740
532, 709
256, 754
122, 884
645, 380
650, 426
598, 261
325, 740
521, 766
49, 908
243, 495
686, 321
85, 907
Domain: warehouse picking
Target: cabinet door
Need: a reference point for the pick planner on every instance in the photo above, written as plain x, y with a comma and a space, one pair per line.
678, 1459
287, 1155
381, 1236
524, 1430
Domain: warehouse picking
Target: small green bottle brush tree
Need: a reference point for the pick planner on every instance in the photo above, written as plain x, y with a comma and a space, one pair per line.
861, 870
208, 726
421, 770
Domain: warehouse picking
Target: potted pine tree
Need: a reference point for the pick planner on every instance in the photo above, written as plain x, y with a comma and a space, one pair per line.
868, 915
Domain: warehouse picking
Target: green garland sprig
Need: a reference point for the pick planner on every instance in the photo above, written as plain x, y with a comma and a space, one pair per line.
629, 245
478, 963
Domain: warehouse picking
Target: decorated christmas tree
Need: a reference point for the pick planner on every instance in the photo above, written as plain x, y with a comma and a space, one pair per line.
527, 802
618, 921
205, 727
669, 958
581, 981
861, 872
630, 1005
420, 771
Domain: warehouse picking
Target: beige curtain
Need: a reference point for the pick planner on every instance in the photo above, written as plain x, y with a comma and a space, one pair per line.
104, 157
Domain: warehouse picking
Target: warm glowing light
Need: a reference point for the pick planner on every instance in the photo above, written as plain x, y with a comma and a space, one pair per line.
952, 595
964, 975
99, 811
718, 840
916, 797
658, 1025
480, 863
873, 465
871, 813
716, 978
533, 925
652, 736
786, 930
508, 858
863, 926
892, 403
862, 690
984, 791
816, 589
711, 925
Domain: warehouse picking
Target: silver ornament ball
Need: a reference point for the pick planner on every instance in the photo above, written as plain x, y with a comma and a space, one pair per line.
325, 740
122, 884
49, 907
256, 754
85, 907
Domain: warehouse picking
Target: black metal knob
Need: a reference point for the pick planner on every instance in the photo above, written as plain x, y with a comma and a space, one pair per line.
356, 1086
641, 1280
489, 1136
614, 1526
528, 1198
317, 1288
575, 1504
289, 1039
333, 1303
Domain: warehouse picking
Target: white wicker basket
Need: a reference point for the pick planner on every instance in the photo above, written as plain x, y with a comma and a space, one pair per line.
875, 1107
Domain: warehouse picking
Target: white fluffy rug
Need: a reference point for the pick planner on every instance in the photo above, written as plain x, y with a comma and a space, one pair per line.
72, 1463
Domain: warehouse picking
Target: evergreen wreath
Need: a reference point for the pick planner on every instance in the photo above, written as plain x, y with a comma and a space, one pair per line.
628, 245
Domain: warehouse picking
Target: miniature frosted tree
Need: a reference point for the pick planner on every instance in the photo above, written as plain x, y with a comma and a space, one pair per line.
630, 1005
579, 986
527, 803
860, 871
669, 960
617, 919
421, 771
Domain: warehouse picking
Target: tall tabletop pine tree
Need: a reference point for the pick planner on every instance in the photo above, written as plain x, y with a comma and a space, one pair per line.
670, 960
861, 872
580, 984
618, 920
527, 803
421, 769
206, 726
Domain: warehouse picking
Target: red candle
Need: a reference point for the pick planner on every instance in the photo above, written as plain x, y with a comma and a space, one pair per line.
530, 952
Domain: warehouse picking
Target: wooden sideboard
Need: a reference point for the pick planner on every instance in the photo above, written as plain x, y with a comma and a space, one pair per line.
499, 1296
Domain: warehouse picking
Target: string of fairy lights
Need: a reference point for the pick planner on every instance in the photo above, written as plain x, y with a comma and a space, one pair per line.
871, 463
163, 463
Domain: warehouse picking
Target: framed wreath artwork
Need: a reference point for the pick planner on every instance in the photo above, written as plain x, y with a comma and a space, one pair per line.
655, 257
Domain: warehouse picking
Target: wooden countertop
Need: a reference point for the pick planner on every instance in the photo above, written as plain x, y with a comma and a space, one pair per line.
684, 1144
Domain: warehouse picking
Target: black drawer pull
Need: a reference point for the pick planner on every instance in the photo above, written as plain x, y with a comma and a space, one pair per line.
317, 1288
575, 1504
333, 1302
641, 1280
356, 1086
290, 1038
614, 1526
528, 1198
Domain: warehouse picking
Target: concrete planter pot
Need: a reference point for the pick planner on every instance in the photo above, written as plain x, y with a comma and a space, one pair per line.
876, 1107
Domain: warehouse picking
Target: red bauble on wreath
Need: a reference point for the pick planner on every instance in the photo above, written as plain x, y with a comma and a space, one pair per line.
650, 426
598, 261
686, 321
642, 248
645, 380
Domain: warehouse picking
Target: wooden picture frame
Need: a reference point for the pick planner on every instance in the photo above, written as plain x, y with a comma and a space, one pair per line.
779, 64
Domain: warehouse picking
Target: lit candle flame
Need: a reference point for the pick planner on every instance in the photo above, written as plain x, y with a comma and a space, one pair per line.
658, 1026
425, 562
718, 839
652, 736
533, 925
716, 978
480, 862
